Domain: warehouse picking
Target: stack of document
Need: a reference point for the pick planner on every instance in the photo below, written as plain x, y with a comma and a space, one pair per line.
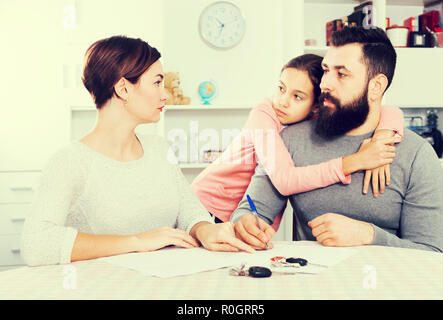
172, 261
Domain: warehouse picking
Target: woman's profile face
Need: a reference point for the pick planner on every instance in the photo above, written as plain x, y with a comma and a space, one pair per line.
148, 97
294, 96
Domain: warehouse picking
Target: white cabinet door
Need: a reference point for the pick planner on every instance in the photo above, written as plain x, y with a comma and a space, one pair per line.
10, 251
18, 187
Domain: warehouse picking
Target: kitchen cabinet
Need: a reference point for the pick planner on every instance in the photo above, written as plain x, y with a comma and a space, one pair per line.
416, 86
415, 83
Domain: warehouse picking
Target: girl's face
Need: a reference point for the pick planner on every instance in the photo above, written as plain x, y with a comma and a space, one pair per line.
148, 97
294, 96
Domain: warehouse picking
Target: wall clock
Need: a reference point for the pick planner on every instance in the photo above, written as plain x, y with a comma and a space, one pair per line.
222, 25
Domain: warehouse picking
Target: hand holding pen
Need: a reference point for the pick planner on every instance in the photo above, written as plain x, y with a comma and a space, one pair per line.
253, 230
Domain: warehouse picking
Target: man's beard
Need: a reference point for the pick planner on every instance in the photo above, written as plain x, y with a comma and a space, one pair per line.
332, 123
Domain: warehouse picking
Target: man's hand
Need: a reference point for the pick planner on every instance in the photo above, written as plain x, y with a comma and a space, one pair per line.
247, 230
336, 230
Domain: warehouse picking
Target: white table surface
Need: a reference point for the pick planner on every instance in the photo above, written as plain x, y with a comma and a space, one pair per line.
395, 273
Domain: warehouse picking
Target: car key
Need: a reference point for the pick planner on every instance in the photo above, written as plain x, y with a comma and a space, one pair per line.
259, 272
303, 262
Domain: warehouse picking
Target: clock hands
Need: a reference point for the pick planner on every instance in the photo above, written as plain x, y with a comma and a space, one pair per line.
219, 33
230, 21
222, 25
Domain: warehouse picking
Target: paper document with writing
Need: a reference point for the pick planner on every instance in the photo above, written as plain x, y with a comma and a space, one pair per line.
172, 261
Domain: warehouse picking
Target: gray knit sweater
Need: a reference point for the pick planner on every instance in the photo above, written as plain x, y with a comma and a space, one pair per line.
409, 214
84, 191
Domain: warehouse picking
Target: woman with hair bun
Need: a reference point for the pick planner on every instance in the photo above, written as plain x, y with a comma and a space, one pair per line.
113, 191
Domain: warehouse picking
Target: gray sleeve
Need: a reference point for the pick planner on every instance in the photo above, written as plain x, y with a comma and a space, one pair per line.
421, 223
268, 201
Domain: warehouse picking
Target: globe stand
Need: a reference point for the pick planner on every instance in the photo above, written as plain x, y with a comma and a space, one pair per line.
207, 91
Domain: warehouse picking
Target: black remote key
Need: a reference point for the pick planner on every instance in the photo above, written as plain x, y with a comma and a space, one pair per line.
302, 262
259, 272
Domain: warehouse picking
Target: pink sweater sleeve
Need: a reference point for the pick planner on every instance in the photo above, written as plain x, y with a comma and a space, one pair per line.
278, 164
391, 118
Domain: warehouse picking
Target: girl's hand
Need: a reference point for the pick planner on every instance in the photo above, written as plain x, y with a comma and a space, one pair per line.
220, 237
162, 237
374, 156
381, 175
375, 153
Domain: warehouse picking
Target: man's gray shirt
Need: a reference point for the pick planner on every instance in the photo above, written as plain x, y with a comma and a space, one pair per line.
408, 214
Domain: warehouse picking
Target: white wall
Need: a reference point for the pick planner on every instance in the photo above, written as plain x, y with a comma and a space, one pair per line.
43, 57
30, 93
246, 73
41, 60
41, 63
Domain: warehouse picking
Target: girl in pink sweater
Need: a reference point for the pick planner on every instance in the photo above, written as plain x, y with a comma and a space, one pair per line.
221, 186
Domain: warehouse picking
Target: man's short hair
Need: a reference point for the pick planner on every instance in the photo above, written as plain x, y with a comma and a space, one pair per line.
379, 55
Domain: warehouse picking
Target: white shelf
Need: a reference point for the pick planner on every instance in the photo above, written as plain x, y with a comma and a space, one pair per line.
319, 50
177, 107
388, 2
84, 108
323, 49
205, 107
193, 165
440, 106
356, 2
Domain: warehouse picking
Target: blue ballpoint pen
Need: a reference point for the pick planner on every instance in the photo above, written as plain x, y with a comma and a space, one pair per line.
254, 210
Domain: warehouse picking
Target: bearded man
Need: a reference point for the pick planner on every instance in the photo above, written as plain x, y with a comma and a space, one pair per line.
358, 68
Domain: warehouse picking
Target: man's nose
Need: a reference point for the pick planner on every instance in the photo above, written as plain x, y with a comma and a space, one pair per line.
326, 83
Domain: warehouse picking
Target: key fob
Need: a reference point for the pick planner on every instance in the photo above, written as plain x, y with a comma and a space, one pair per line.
259, 272
302, 262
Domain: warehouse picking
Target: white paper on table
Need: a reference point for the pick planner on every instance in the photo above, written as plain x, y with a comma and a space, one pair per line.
172, 261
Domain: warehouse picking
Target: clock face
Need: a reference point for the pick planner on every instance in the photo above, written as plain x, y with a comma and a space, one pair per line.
222, 25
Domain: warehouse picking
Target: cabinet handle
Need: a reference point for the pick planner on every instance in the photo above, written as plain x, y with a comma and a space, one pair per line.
15, 250
17, 219
21, 188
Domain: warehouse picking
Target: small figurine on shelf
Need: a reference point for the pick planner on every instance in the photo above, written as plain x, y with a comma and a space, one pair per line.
207, 91
209, 156
172, 84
